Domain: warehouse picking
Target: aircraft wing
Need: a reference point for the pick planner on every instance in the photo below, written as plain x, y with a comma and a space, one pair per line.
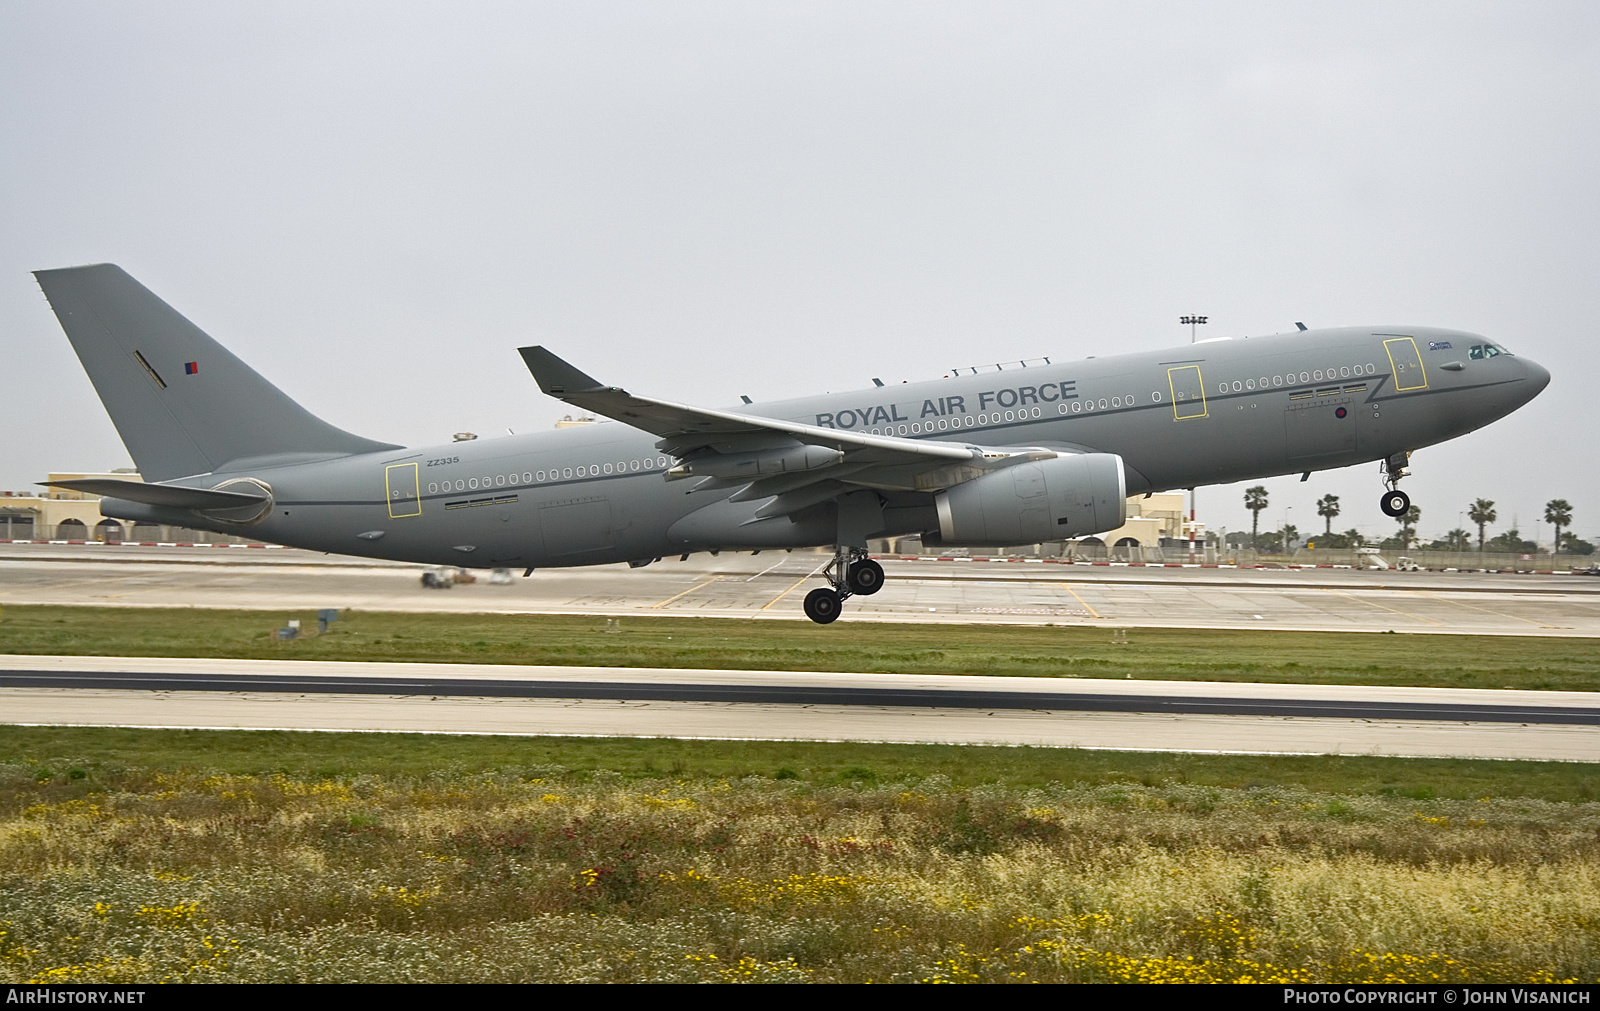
768, 455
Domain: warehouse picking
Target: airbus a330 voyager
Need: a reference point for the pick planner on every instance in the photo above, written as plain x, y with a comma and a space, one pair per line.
1016, 456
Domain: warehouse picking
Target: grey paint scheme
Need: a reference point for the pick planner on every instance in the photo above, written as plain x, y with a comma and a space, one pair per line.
227, 425
135, 347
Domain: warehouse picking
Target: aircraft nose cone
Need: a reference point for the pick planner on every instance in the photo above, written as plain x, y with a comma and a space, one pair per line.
1538, 376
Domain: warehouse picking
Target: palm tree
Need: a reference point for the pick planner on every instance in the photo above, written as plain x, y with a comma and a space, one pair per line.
1255, 500
1290, 534
1328, 508
1559, 512
1408, 525
1353, 536
1482, 513
1458, 539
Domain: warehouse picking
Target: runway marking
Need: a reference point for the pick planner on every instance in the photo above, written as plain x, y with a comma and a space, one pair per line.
65, 678
971, 598
1080, 600
768, 569
1386, 607
685, 593
1488, 610
797, 582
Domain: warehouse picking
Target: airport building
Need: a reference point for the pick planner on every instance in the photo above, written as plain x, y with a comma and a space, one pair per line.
1155, 524
60, 514
1154, 521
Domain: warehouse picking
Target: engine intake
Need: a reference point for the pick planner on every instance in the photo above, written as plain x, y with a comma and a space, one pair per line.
1049, 500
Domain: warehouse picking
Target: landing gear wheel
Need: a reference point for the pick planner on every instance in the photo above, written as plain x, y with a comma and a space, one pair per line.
864, 577
823, 605
1395, 503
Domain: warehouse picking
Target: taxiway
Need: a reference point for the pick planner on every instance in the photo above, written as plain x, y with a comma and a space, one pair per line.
770, 586
784, 705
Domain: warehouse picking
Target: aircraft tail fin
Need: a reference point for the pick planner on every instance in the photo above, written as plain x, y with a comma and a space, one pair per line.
182, 403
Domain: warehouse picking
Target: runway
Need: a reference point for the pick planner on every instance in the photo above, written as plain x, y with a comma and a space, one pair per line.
1127, 715
1123, 715
770, 585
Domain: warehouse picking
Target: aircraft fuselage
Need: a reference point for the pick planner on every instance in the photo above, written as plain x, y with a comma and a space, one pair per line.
1208, 413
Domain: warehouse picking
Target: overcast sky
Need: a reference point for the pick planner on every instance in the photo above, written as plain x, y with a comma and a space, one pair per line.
375, 204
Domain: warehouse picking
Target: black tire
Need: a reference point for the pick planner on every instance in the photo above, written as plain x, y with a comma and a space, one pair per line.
1394, 503
823, 605
864, 577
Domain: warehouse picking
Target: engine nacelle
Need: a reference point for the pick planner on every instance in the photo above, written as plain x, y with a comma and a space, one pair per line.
1049, 500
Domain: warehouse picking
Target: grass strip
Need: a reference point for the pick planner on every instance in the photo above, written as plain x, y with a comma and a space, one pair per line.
81, 757
1247, 655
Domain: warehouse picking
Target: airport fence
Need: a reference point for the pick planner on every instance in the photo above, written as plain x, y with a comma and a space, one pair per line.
1210, 555
1076, 551
22, 530
1499, 561
15, 529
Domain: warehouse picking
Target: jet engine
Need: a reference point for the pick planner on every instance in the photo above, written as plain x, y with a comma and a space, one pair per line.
1047, 500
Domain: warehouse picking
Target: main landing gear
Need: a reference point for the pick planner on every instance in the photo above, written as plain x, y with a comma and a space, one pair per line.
1395, 502
851, 572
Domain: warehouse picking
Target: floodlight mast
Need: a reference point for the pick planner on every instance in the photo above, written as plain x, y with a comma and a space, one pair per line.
1191, 322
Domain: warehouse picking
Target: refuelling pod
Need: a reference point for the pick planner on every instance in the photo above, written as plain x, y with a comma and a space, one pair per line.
1048, 500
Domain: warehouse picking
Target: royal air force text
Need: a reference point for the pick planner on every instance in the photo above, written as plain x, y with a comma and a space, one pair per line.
944, 407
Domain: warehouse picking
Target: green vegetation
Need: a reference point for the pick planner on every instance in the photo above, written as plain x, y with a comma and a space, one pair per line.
344, 756
138, 856
1076, 651
132, 855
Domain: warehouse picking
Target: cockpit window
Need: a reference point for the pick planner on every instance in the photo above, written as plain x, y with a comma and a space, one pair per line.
1478, 352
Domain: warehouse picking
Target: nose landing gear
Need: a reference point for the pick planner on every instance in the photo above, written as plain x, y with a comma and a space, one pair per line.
1395, 502
851, 572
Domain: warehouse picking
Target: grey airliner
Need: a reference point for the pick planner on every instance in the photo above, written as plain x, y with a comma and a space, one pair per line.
983, 459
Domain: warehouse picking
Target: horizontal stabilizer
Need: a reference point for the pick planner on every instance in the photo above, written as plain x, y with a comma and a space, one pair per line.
162, 494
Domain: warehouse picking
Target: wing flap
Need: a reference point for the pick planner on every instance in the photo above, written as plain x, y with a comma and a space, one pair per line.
769, 486
796, 499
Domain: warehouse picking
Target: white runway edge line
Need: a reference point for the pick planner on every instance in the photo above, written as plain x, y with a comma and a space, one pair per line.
1269, 566
145, 544
1197, 732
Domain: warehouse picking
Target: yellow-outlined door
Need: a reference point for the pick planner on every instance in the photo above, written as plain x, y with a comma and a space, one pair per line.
1188, 392
1407, 364
404, 487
